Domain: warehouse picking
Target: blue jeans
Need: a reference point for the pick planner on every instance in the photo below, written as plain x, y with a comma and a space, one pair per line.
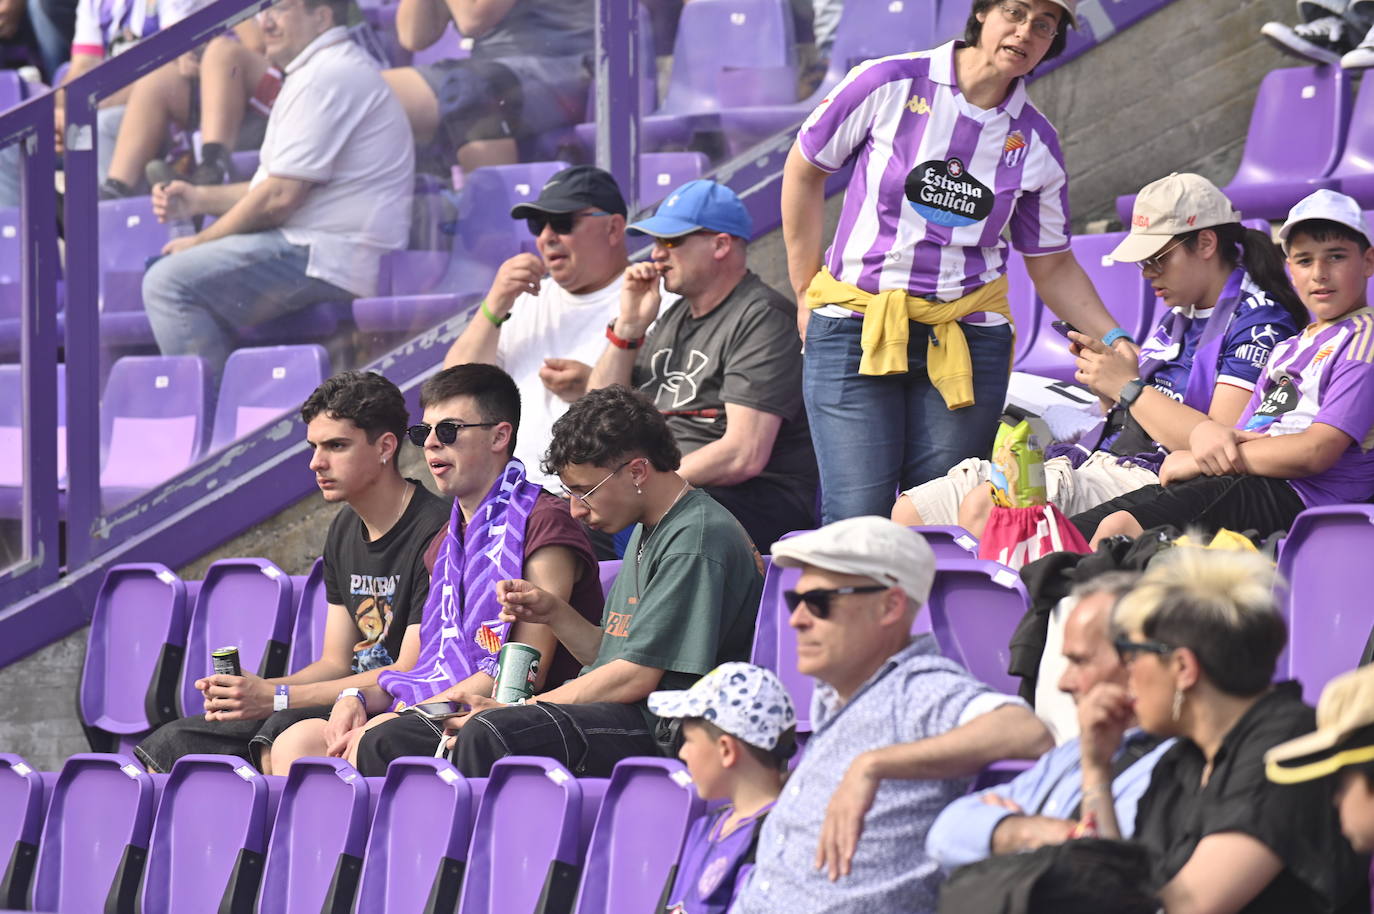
197, 299
876, 434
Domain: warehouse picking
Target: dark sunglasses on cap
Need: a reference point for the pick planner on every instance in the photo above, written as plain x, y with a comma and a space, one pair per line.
818, 601
561, 223
446, 431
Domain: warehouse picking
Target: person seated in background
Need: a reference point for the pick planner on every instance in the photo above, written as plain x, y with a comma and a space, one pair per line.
719, 363
1304, 439
897, 730
685, 604
528, 73
375, 575
1200, 636
541, 319
502, 526
1040, 806
331, 196
1229, 303
738, 731
42, 28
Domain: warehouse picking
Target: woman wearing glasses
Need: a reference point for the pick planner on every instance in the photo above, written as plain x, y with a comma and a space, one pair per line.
906, 324
1228, 303
1200, 636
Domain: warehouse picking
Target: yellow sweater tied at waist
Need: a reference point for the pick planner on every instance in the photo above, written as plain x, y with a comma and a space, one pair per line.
887, 329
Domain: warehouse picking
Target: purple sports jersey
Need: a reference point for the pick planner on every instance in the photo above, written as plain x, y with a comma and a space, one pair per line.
936, 178
1324, 375
709, 870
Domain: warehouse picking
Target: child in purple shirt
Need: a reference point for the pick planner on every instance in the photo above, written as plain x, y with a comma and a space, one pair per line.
1305, 438
738, 729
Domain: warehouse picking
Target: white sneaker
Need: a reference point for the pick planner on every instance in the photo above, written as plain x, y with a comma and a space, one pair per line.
1322, 40
1362, 56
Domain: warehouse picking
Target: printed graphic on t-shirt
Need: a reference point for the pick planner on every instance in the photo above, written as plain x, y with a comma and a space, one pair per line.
1282, 399
945, 194
676, 388
373, 617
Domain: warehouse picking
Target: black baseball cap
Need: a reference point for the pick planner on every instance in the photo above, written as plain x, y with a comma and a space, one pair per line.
572, 189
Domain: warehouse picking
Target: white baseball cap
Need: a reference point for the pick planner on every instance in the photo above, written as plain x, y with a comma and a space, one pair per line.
1070, 7
874, 547
1331, 206
744, 700
1173, 205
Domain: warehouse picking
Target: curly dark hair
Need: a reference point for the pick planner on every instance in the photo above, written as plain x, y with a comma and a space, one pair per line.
496, 396
610, 425
973, 29
365, 398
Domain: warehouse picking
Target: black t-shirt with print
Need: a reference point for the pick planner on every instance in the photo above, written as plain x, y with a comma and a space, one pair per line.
382, 584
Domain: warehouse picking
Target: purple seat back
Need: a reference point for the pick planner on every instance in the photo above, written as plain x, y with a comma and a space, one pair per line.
151, 398
1329, 619
644, 817
11, 263
609, 571
1025, 306
419, 839
11, 89
23, 795
208, 837
99, 823
528, 831
242, 602
129, 235
261, 384
318, 836
312, 610
12, 426
716, 35
134, 650
975, 605
450, 46
949, 542
1355, 170
775, 645
487, 235
877, 28
660, 172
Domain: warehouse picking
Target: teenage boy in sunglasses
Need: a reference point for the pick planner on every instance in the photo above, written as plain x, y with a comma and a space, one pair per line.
720, 363
542, 319
375, 572
897, 730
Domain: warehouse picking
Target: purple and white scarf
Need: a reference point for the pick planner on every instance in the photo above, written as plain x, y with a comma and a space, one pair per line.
461, 632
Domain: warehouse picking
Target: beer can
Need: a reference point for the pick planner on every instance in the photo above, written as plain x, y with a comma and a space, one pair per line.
517, 668
225, 661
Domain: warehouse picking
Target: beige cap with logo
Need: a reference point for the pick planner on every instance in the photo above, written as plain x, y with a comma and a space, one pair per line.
1172, 206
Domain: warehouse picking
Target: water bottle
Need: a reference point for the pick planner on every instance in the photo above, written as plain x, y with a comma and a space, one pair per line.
179, 224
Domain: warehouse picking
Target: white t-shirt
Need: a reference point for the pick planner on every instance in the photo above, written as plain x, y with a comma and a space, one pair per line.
553, 324
337, 125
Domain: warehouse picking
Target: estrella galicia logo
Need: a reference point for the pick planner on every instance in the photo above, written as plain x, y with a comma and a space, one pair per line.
946, 194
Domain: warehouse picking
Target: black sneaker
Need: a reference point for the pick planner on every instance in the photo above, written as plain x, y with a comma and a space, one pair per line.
1322, 40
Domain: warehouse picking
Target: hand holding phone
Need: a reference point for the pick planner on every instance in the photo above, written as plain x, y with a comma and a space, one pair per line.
440, 710
1063, 328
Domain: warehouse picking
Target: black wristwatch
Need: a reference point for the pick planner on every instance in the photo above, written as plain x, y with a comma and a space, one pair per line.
1130, 392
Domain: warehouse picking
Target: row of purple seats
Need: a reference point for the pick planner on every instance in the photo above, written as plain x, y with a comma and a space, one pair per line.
152, 633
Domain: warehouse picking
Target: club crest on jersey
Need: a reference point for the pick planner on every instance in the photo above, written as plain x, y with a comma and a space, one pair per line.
487, 638
1014, 149
946, 194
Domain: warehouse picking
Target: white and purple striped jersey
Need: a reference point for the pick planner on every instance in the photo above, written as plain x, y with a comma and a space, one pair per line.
1323, 375
936, 178
106, 27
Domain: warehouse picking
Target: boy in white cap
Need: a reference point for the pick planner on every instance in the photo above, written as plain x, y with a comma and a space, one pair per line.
738, 730
1305, 438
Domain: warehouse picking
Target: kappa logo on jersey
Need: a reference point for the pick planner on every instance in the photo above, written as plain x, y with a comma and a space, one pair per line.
1014, 149
679, 387
918, 105
945, 194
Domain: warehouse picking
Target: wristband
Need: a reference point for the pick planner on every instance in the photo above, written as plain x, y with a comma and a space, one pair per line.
352, 693
620, 342
1114, 334
282, 700
486, 312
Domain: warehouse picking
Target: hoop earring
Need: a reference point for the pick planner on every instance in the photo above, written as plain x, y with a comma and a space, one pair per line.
1178, 704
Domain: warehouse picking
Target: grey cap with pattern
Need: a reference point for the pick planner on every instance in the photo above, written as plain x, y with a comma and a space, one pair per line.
744, 700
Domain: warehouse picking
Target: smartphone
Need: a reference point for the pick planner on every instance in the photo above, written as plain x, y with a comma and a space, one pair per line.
1063, 328
440, 710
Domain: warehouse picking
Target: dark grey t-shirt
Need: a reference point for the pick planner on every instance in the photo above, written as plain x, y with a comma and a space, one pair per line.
541, 28
745, 352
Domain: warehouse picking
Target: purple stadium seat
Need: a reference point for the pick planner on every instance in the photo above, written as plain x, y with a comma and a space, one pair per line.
775, 646
150, 398
643, 819
1354, 173
609, 571
242, 602
245, 162
11, 263
129, 235
11, 89
316, 853
417, 850
12, 437
22, 802
261, 384
584, 134
134, 655
96, 835
949, 542
412, 272
660, 172
526, 841
312, 609
450, 46
975, 605
208, 839
1328, 619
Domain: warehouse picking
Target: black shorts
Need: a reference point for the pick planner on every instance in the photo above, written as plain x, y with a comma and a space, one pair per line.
1207, 503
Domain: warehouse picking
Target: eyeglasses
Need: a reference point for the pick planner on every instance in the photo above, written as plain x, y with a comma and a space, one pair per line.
818, 601
446, 431
677, 240
1155, 264
585, 497
1127, 649
561, 223
1017, 13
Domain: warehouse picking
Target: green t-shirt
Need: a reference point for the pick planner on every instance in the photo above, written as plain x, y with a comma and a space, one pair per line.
689, 602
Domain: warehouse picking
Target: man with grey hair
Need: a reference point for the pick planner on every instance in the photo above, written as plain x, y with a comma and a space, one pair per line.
898, 730
1042, 805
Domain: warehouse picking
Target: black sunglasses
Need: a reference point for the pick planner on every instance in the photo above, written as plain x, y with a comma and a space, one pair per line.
446, 431
1127, 649
818, 601
561, 223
